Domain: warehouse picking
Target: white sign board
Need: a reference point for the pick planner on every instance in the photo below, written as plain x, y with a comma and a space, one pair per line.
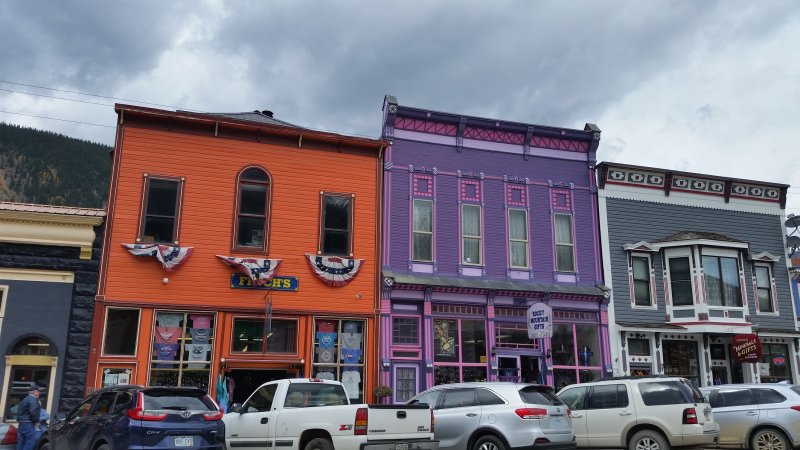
540, 321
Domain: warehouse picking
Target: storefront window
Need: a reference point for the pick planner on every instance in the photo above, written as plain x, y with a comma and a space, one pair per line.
459, 350
576, 354
339, 354
680, 360
639, 347
249, 336
775, 363
182, 349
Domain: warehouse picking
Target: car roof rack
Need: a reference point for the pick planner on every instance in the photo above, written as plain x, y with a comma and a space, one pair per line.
642, 377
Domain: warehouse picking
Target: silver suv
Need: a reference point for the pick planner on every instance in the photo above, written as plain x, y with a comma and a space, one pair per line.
640, 413
498, 416
756, 416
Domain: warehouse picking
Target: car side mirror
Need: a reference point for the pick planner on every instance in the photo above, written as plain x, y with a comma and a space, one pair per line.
62, 416
236, 407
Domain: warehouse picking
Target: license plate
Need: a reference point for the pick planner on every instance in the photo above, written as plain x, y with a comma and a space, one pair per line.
401, 446
558, 422
184, 441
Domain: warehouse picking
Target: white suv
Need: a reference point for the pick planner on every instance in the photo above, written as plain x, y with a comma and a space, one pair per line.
640, 413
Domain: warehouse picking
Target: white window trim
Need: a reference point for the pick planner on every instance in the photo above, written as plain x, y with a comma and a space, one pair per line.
772, 291
571, 244
479, 237
632, 281
414, 232
679, 253
526, 241
725, 253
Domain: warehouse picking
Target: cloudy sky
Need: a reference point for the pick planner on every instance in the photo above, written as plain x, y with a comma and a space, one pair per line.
702, 86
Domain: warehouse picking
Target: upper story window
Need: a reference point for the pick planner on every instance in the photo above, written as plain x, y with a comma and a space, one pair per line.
471, 235
565, 253
680, 281
640, 271
722, 281
423, 231
252, 218
336, 227
160, 210
764, 288
518, 238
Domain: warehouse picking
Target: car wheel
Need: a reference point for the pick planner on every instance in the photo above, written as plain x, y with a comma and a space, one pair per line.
319, 444
648, 440
44, 446
103, 447
489, 442
769, 439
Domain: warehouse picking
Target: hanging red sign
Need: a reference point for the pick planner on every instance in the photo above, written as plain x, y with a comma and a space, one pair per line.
746, 348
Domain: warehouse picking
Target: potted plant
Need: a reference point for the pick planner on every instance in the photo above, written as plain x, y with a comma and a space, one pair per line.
381, 392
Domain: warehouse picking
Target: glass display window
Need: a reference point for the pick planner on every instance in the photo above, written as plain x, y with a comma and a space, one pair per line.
338, 353
576, 354
182, 349
459, 350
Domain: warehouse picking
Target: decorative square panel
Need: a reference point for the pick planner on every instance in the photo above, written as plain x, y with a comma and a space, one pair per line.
699, 185
471, 190
772, 193
561, 199
715, 186
422, 185
636, 177
680, 183
616, 175
516, 195
655, 180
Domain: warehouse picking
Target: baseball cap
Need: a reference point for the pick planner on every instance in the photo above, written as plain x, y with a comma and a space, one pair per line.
35, 387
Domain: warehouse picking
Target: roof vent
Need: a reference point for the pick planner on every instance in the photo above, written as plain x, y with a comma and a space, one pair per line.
267, 113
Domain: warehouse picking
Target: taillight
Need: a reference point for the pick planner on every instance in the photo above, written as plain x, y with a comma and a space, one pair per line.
531, 413
796, 408
138, 412
569, 413
11, 436
431, 421
360, 428
689, 416
212, 415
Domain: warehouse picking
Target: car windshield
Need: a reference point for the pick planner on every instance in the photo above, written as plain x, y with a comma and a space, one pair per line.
177, 400
539, 395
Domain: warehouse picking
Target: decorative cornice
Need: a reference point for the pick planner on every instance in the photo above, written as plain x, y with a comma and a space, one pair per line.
644, 194
47, 276
640, 246
20, 227
765, 257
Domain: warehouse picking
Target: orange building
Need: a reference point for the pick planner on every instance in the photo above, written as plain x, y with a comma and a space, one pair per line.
240, 249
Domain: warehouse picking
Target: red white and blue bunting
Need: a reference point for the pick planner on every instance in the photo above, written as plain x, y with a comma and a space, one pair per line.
170, 257
258, 269
334, 270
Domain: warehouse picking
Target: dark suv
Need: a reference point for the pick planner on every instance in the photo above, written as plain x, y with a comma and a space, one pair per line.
136, 417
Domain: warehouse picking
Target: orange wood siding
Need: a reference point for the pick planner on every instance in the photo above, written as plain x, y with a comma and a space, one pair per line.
210, 166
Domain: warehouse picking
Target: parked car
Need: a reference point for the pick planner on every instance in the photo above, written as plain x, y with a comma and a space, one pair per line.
8, 436
756, 416
640, 413
498, 416
315, 414
136, 417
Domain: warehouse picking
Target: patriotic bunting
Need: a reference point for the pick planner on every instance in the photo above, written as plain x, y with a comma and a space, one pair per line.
259, 270
170, 257
334, 270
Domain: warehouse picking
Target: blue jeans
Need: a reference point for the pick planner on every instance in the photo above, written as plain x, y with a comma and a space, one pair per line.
26, 436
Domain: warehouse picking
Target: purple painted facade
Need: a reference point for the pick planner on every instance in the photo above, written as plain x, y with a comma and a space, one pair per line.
455, 309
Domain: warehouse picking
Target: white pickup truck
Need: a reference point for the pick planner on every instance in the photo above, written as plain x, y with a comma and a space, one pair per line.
312, 414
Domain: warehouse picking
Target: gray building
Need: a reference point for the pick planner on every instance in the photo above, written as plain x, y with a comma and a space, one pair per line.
48, 278
699, 276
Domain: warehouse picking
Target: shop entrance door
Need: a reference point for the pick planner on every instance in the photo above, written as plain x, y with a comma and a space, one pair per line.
245, 381
508, 368
530, 369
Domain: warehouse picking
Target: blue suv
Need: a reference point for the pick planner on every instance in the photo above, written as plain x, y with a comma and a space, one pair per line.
136, 417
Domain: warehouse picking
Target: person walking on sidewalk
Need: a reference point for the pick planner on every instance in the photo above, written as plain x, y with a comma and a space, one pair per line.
28, 413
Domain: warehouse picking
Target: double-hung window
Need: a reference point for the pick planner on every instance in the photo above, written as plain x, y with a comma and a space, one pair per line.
471, 235
680, 281
518, 238
565, 254
640, 268
722, 281
336, 230
423, 231
764, 289
160, 210
252, 218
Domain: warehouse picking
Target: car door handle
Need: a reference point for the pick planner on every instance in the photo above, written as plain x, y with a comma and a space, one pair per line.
264, 419
625, 413
577, 415
472, 414
751, 413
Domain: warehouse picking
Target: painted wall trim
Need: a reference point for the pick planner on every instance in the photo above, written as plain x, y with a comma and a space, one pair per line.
47, 276
680, 199
20, 227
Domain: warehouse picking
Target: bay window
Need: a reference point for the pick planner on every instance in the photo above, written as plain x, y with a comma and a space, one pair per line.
680, 281
722, 281
764, 288
640, 268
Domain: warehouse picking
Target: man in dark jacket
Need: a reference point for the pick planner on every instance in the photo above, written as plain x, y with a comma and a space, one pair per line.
28, 412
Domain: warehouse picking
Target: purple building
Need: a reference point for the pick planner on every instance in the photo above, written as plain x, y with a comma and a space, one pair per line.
490, 237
